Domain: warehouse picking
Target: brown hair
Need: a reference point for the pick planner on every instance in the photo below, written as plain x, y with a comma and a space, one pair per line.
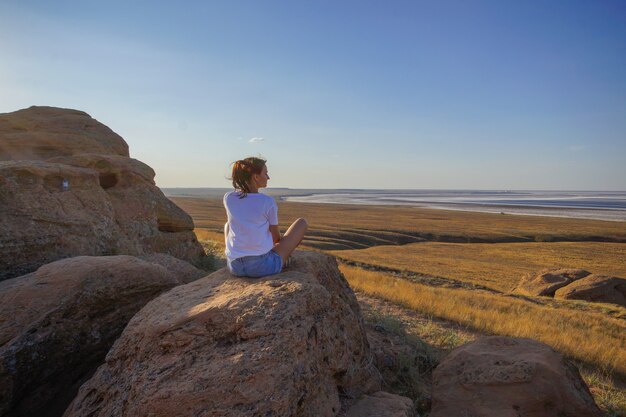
243, 171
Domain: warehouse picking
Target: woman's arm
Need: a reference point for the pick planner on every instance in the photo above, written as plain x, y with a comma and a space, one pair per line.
275, 233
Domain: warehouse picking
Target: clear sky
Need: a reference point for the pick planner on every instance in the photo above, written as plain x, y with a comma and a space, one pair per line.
338, 94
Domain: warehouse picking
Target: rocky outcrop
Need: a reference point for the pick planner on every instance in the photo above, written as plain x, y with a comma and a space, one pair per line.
508, 377
382, 404
289, 344
72, 190
111, 169
58, 323
574, 284
546, 282
596, 288
39, 133
130, 187
39, 223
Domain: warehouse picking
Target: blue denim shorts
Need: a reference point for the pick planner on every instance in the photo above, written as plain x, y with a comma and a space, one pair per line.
256, 266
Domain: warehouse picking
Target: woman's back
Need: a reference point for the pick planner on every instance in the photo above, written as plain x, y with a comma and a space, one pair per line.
254, 246
249, 219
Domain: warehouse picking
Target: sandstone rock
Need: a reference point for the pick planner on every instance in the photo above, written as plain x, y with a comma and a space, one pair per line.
40, 222
382, 404
130, 186
111, 168
509, 377
183, 245
286, 345
596, 288
58, 323
39, 133
547, 281
79, 203
183, 271
139, 205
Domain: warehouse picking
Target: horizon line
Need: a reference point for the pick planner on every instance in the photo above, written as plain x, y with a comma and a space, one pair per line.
406, 189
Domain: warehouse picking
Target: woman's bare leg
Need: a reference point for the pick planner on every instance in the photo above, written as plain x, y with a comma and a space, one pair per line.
292, 238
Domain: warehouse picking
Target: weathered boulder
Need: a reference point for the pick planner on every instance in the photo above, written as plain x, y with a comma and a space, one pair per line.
130, 186
546, 282
79, 203
141, 209
58, 322
39, 133
40, 222
183, 245
382, 404
184, 272
509, 377
596, 288
285, 345
111, 168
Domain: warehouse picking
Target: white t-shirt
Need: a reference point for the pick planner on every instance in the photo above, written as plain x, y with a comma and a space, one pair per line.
249, 221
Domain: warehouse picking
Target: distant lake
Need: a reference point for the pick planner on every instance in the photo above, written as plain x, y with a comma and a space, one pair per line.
601, 205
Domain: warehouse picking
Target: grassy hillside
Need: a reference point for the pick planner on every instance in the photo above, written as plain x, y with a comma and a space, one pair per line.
498, 266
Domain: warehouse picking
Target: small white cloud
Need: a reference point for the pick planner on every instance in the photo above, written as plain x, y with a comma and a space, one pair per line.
335, 155
577, 148
256, 140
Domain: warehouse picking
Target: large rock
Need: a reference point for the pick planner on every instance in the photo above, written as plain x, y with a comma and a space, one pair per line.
58, 323
507, 377
39, 133
140, 208
111, 168
183, 271
546, 282
130, 186
79, 203
286, 345
596, 288
40, 223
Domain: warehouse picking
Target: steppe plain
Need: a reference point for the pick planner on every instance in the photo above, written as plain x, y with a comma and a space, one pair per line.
437, 279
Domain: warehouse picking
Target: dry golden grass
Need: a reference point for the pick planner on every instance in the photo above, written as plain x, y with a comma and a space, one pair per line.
589, 337
494, 265
209, 235
610, 398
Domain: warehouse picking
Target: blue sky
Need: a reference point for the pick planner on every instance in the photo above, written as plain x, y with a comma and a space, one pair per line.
338, 94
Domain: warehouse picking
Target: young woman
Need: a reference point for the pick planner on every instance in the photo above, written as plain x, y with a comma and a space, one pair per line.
254, 246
